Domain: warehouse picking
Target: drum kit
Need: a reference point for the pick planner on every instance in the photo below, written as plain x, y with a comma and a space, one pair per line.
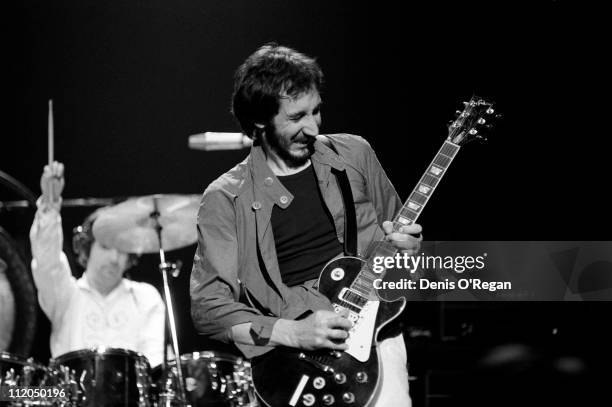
105, 377
121, 377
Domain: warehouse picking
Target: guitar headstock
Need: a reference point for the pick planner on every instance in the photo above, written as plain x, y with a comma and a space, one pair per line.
473, 122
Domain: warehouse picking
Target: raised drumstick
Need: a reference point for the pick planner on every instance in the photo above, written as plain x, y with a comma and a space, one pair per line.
50, 133
50, 144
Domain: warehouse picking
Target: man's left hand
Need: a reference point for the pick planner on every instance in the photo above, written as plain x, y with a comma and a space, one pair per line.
407, 239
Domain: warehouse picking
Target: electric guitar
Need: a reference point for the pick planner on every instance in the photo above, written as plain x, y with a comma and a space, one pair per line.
293, 377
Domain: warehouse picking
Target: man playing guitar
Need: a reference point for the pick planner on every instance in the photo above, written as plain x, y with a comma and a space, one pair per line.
267, 227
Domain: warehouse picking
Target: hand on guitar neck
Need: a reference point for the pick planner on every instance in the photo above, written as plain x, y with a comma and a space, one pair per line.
406, 238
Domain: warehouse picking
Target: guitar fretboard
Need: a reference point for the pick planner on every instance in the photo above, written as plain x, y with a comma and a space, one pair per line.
412, 208
428, 183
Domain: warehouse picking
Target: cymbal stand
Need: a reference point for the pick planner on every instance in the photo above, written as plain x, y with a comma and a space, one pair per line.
164, 267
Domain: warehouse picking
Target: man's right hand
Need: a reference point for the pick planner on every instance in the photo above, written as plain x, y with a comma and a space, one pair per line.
52, 182
322, 329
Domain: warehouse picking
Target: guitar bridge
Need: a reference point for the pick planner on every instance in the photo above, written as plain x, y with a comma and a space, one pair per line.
352, 316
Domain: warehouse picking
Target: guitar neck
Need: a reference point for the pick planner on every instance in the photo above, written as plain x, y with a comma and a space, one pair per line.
409, 213
424, 189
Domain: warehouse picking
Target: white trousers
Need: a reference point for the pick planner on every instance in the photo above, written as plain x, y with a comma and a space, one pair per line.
393, 391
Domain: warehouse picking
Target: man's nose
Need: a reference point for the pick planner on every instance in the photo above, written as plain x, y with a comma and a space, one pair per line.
311, 127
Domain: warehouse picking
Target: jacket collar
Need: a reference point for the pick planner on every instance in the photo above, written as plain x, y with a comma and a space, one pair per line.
264, 180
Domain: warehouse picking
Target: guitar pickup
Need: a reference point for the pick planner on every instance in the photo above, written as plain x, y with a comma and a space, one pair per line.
353, 298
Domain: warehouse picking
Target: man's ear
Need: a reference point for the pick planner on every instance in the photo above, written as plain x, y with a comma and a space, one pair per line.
258, 131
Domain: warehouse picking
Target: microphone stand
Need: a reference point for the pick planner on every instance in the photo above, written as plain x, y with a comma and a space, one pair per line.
164, 267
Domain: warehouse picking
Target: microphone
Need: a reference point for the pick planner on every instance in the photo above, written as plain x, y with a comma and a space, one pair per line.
211, 140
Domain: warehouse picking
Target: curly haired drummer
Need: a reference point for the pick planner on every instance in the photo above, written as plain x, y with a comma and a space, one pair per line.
102, 308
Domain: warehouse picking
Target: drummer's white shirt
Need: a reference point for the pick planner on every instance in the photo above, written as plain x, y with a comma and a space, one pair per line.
129, 317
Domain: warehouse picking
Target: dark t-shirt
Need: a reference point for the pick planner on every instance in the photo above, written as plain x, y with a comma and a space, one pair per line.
304, 232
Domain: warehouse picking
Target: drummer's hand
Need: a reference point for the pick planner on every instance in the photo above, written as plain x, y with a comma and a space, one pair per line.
52, 182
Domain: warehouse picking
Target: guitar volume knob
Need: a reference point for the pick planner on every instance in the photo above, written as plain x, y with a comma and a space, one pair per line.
318, 383
362, 377
348, 398
340, 378
308, 399
328, 399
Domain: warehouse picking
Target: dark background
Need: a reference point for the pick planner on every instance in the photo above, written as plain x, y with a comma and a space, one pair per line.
131, 80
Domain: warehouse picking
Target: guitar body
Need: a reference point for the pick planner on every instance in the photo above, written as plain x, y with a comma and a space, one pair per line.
293, 377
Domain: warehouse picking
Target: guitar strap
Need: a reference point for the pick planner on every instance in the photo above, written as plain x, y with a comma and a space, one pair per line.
350, 218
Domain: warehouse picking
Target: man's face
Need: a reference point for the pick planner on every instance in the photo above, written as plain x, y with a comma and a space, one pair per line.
106, 264
292, 132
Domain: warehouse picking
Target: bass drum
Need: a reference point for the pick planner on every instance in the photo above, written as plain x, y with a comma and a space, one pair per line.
104, 377
211, 379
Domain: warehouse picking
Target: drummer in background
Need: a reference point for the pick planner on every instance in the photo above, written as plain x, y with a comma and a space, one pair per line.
101, 308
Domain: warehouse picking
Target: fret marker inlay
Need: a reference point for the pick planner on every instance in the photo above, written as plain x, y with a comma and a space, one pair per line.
435, 170
424, 189
414, 206
403, 220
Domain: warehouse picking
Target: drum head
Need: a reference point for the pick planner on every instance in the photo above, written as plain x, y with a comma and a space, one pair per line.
77, 354
97, 352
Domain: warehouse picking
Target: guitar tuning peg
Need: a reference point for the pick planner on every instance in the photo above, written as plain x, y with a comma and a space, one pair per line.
457, 113
488, 126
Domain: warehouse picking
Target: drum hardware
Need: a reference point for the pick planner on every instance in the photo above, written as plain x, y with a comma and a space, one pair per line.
10, 378
211, 379
69, 384
165, 267
18, 371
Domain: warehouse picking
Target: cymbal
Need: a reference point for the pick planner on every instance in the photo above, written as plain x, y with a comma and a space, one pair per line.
130, 226
66, 203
